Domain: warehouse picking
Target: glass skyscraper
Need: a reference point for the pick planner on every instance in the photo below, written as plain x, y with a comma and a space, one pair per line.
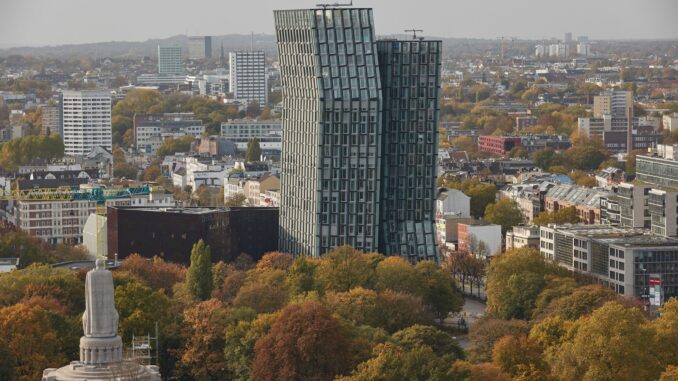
340, 172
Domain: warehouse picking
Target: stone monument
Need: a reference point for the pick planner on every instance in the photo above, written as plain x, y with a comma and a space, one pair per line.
101, 347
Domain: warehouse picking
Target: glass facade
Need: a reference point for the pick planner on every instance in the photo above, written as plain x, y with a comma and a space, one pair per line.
410, 77
340, 173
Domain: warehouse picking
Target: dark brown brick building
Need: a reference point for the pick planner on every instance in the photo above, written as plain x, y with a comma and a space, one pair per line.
170, 233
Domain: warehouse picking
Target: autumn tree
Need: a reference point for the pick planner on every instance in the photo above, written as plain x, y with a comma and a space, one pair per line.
275, 260
170, 146
237, 199
304, 343
344, 268
567, 215
29, 342
300, 278
203, 332
611, 344
504, 212
487, 331
156, 273
397, 274
199, 274
261, 297
442, 343
240, 338
520, 357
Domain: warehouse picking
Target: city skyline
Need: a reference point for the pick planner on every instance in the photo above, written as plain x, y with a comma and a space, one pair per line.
56, 25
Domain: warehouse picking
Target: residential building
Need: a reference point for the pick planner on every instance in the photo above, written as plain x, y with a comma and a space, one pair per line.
352, 171
151, 130
670, 121
255, 189
170, 60
522, 236
452, 202
663, 209
51, 119
170, 233
624, 259
85, 121
503, 144
584, 49
447, 231
479, 238
633, 205
241, 131
525, 122
199, 47
585, 200
215, 146
248, 81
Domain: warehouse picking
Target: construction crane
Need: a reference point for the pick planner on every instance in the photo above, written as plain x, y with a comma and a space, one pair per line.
503, 38
414, 33
100, 195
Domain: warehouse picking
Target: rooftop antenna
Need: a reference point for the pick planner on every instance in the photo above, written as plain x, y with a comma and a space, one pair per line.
414, 33
327, 5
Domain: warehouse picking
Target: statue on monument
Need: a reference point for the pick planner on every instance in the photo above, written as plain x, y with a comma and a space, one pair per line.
100, 318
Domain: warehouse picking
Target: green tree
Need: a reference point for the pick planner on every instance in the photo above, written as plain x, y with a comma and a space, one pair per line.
514, 281
240, 338
140, 308
504, 212
442, 343
199, 274
397, 274
546, 158
300, 277
253, 152
438, 290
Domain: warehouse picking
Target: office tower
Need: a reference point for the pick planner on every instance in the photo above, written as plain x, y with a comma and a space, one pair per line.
199, 47
85, 121
335, 164
248, 76
169, 60
410, 81
568, 37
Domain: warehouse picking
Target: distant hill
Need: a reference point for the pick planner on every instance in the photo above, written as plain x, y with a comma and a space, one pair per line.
139, 49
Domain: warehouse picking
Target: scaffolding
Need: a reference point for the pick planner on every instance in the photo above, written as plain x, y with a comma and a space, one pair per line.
143, 350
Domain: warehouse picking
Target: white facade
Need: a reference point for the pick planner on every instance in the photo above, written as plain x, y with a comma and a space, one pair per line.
248, 80
150, 131
670, 121
267, 132
170, 60
584, 49
547, 242
453, 202
86, 121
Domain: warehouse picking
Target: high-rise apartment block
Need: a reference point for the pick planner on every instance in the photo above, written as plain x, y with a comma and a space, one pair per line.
359, 135
199, 47
85, 121
248, 76
170, 60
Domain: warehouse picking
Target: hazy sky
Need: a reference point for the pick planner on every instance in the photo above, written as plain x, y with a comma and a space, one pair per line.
54, 22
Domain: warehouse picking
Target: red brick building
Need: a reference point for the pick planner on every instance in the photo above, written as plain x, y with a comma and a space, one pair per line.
498, 145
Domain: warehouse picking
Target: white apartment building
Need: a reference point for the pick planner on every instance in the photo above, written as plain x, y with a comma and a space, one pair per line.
85, 121
267, 132
248, 80
170, 60
584, 49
